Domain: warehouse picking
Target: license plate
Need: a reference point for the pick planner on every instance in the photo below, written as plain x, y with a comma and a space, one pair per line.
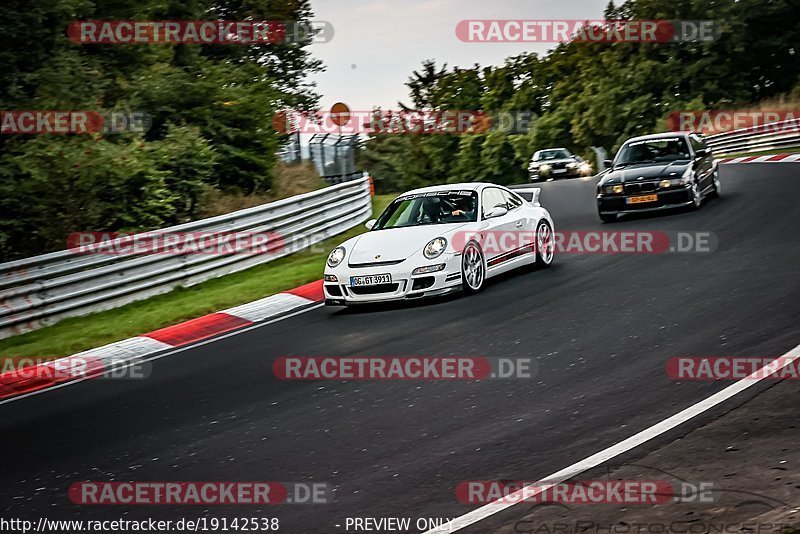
643, 198
370, 280
559, 171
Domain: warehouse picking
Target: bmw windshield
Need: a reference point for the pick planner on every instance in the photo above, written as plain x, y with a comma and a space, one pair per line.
654, 150
430, 208
547, 155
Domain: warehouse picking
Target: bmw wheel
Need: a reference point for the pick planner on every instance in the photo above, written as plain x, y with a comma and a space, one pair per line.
545, 244
717, 191
697, 197
607, 217
473, 268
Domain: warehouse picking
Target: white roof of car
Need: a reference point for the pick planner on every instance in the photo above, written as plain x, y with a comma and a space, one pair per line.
467, 186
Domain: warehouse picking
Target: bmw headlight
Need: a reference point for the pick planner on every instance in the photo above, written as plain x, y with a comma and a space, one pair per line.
572, 165
613, 189
684, 179
544, 169
434, 248
336, 256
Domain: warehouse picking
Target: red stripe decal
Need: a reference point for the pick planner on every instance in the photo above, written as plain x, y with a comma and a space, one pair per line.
749, 158
312, 291
778, 157
197, 329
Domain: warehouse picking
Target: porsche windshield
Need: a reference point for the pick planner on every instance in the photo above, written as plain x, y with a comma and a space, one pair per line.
653, 151
445, 207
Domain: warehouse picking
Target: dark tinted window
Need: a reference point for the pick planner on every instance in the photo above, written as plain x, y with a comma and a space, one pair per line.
653, 150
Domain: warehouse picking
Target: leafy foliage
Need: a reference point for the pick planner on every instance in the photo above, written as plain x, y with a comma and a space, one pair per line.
595, 94
211, 108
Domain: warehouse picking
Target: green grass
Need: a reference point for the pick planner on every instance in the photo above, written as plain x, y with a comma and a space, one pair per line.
80, 333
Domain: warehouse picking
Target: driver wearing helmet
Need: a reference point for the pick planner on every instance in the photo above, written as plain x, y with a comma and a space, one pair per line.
433, 210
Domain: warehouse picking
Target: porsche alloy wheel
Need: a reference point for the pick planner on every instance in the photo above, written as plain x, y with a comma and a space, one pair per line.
473, 269
545, 244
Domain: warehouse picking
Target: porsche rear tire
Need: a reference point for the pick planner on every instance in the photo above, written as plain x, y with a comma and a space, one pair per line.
545, 244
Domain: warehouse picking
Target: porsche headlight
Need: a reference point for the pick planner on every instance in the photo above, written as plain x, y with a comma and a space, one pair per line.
336, 256
434, 248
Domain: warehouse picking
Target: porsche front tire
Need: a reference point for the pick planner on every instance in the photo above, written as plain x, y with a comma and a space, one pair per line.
473, 268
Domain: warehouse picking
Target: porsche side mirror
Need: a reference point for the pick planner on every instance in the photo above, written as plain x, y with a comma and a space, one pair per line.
497, 211
370, 223
607, 162
701, 152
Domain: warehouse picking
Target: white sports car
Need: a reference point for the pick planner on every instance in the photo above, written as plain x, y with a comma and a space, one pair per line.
438, 239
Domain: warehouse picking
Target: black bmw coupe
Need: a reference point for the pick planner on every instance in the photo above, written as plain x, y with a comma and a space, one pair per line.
657, 172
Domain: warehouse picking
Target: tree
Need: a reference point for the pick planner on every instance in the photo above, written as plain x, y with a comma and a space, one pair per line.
585, 94
211, 108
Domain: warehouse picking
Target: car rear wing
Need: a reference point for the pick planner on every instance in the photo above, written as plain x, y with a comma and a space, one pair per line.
531, 194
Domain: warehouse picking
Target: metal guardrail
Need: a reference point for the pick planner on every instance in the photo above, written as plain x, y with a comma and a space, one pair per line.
338, 179
41, 290
773, 136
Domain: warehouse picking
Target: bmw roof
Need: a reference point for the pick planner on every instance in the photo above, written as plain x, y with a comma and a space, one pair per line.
658, 136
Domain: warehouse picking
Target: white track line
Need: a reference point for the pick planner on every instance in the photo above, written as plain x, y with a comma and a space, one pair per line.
607, 454
168, 353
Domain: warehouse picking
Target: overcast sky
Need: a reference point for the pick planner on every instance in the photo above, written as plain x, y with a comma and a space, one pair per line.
378, 43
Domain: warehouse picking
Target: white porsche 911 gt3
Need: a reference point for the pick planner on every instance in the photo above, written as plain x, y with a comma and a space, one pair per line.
438, 239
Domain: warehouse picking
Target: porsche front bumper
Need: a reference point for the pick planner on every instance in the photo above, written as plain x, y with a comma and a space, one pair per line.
404, 285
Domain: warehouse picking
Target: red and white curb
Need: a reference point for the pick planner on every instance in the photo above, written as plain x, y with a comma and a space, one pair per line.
27, 380
774, 158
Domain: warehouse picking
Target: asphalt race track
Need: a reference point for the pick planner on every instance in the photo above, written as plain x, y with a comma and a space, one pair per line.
600, 326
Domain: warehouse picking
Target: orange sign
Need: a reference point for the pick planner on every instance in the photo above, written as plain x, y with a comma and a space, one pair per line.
340, 114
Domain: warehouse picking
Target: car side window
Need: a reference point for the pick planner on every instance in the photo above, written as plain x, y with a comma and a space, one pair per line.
512, 201
492, 198
697, 143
